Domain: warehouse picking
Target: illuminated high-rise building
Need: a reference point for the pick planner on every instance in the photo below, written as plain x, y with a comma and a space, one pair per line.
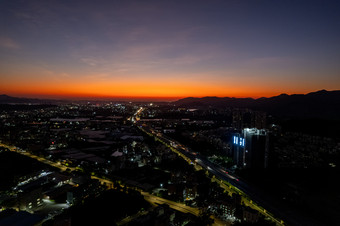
256, 148
238, 149
250, 149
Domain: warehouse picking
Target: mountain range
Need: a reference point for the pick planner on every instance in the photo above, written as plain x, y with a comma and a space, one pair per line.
5, 99
321, 104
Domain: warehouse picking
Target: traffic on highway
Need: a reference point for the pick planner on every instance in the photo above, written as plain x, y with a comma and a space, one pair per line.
248, 193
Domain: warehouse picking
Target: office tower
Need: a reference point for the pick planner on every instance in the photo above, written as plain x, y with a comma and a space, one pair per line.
250, 149
256, 148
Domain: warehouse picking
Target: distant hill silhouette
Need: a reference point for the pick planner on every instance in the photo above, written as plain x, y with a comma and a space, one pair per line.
321, 104
5, 99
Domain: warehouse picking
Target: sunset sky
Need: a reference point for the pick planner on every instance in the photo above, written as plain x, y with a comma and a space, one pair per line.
168, 48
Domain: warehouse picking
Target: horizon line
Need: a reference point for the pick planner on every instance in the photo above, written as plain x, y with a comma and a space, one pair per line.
66, 97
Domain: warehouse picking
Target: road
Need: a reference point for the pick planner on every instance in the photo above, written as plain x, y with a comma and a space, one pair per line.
225, 179
174, 205
250, 196
40, 159
155, 200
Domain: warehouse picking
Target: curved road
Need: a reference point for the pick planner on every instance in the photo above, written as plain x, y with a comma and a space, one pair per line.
249, 196
147, 196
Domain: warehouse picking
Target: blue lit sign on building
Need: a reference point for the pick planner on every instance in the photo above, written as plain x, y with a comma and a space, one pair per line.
239, 141
235, 140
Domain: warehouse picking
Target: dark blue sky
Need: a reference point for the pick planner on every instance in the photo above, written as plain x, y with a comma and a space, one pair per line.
168, 48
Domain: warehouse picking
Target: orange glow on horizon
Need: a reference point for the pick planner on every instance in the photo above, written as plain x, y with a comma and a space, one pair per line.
161, 96
152, 89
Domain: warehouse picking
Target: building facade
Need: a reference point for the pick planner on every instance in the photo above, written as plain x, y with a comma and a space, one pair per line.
250, 148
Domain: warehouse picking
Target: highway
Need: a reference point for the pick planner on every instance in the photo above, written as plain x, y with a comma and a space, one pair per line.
225, 179
174, 205
40, 159
250, 196
147, 196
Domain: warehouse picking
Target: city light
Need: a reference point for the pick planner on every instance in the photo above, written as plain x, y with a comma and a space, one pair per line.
239, 141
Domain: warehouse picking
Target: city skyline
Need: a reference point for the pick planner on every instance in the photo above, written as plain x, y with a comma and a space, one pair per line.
168, 49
